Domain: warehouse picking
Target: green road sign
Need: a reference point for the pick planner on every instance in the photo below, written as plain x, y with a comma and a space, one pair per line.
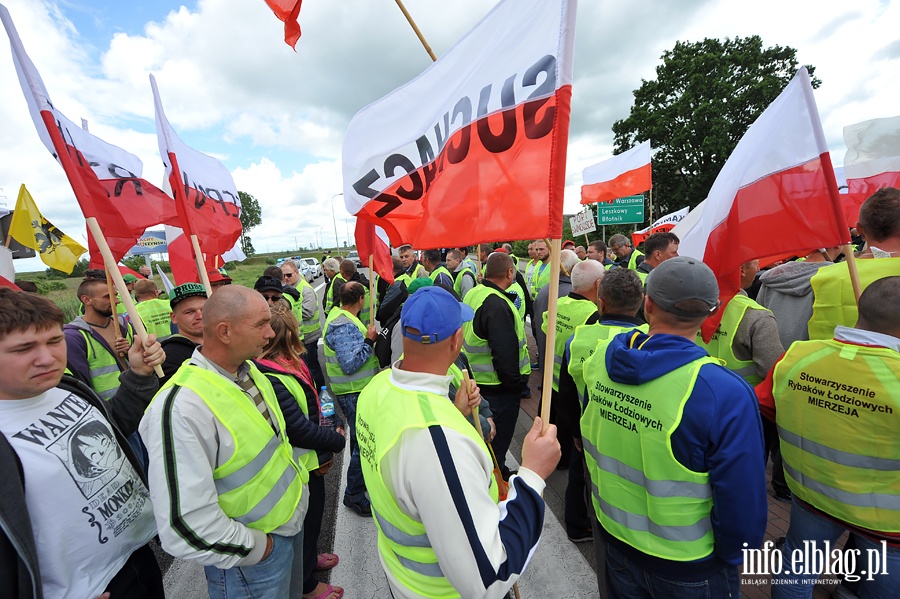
627, 210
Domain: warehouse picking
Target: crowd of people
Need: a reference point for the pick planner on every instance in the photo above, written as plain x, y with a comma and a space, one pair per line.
665, 434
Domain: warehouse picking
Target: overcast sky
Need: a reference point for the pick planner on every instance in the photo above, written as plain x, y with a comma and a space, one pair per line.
276, 118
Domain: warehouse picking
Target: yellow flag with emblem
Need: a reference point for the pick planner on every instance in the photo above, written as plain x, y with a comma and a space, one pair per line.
31, 229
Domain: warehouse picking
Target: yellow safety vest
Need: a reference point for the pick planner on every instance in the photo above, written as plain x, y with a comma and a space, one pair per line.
641, 494
722, 343
632, 260
104, 367
307, 457
585, 342
570, 313
838, 412
154, 314
329, 293
477, 350
383, 413
833, 300
261, 484
541, 277
341, 383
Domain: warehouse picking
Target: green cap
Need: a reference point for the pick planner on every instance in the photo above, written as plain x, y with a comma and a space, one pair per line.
130, 278
418, 284
182, 292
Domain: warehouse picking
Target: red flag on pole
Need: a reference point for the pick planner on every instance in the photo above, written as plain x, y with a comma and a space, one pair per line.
473, 149
776, 194
106, 179
205, 195
287, 11
624, 174
372, 241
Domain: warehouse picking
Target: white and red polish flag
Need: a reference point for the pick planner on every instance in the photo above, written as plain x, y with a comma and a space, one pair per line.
661, 225
872, 161
205, 194
776, 194
624, 174
106, 179
373, 241
473, 150
287, 11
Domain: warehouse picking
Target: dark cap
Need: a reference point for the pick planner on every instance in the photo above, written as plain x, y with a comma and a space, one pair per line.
265, 283
680, 279
182, 292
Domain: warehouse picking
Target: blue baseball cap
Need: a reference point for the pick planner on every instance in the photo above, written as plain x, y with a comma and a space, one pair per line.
434, 313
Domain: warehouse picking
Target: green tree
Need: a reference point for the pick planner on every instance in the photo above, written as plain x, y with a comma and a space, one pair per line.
704, 98
251, 216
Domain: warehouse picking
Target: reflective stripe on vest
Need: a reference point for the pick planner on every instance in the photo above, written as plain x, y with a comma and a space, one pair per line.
296, 309
342, 383
477, 350
329, 293
529, 276
103, 367
721, 345
571, 313
833, 300
838, 412
261, 484
641, 494
385, 412
308, 457
585, 341
154, 314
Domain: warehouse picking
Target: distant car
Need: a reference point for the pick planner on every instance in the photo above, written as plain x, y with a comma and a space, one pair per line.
354, 255
314, 266
304, 269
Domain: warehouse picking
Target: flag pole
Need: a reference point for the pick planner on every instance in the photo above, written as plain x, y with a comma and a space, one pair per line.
555, 245
371, 290
111, 268
416, 29
201, 268
110, 286
651, 206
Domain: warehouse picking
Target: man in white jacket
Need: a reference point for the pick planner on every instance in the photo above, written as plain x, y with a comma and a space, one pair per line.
226, 491
442, 531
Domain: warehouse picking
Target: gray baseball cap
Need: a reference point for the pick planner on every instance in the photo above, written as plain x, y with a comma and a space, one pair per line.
683, 278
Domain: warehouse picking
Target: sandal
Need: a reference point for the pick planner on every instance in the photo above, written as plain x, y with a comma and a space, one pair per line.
326, 561
330, 593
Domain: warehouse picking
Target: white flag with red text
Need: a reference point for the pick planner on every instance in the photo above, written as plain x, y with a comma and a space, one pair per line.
474, 148
205, 194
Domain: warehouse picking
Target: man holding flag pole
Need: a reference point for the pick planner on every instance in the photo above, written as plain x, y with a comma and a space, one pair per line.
479, 174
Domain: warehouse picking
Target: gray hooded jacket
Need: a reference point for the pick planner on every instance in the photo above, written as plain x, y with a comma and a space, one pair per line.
787, 292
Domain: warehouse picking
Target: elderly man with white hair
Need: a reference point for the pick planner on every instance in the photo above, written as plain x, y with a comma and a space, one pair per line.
577, 305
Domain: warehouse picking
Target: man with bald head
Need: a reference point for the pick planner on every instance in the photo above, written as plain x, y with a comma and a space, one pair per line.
836, 403
226, 491
496, 348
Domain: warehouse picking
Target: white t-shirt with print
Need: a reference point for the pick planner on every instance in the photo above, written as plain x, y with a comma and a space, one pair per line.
89, 508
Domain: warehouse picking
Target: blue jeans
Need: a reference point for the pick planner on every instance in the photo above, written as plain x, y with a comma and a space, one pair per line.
627, 580
279, 576
356, 486
806, 525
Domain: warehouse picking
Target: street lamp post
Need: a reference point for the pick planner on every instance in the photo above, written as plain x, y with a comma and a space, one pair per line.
337, 246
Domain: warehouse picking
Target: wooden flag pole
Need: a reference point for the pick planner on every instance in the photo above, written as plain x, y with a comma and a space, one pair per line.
201, 268
110, 286
416, 29
854, 272
111, 268
555, 245
371, 290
